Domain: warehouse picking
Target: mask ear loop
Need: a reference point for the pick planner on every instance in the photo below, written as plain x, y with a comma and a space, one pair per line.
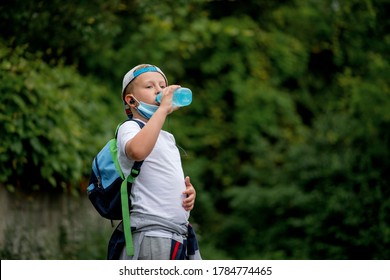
134, 101
128, 106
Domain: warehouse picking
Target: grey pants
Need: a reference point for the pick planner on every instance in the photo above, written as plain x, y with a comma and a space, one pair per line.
150, 248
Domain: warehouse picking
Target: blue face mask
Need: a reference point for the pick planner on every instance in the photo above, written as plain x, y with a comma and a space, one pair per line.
146, 110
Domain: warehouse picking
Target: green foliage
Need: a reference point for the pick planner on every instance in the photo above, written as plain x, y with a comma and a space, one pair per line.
49, 125
61, 30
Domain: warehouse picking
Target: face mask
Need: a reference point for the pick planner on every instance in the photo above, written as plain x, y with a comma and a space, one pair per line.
146, 110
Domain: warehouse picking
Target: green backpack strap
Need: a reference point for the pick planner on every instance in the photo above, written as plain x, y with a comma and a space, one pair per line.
125, 198
125, 206
126, 215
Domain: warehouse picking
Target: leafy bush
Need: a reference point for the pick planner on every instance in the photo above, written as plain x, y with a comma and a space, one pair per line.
52, 121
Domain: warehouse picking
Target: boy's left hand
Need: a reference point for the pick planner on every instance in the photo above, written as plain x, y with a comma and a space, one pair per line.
189, 201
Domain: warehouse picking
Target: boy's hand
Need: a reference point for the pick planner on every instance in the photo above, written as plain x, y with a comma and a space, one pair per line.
189, 201
166, 99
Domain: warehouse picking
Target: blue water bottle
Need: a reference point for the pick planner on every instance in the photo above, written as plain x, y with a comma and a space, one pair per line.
181, 97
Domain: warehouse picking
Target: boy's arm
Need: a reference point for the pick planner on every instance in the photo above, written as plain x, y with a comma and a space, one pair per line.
141, 145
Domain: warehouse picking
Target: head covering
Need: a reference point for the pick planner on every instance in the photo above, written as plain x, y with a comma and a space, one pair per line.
134, 73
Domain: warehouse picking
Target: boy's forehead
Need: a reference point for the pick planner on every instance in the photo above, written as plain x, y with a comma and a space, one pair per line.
139, 71
150, 77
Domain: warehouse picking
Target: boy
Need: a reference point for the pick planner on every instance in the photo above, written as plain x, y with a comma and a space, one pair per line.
161, 197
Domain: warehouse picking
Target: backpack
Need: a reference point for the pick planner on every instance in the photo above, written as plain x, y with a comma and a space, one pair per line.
109, 190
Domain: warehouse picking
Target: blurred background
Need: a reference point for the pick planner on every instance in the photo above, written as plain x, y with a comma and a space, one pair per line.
286, 141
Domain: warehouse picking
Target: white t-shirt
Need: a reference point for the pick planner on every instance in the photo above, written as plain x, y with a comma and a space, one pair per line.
158, 189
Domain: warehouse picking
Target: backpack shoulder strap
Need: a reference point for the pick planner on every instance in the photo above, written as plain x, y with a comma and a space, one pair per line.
135, 170
141, 125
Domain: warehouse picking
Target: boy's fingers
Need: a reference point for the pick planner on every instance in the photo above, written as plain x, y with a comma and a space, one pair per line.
187, 181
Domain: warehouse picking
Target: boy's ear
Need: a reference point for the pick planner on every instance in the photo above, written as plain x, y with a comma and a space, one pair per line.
130, 99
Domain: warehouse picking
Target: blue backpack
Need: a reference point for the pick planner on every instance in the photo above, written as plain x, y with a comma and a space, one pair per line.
109, 189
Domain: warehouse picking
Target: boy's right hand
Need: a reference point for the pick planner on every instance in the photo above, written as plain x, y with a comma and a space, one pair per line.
166, 99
